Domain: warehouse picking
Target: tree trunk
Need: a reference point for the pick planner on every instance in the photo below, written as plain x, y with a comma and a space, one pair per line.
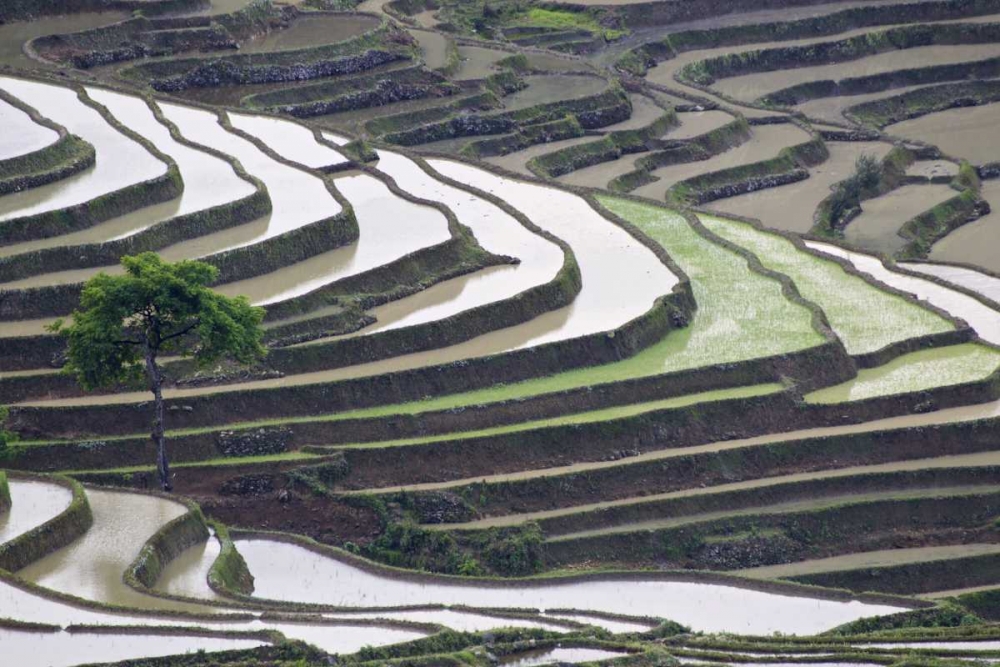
155, 385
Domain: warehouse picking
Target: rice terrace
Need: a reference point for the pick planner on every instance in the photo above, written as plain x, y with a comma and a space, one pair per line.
499, 332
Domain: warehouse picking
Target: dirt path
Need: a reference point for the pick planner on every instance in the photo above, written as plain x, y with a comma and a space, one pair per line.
870, 559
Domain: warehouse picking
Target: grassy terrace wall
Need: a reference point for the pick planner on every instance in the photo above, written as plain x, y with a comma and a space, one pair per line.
68, 155
637, 60
229, 574
706, 72
359, 92
918, 76
380, 46
784, 537
51, 535
384, 125
4, 493
595, 111
701, 147
165, 545
113, 204
19, 10
610, 147
913, 578
788, 166
657, 13
913, 104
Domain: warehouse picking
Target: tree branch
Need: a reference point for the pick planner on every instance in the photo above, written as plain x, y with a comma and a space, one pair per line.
183, 331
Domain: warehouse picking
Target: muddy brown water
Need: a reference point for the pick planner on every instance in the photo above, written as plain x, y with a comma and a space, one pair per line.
933, 169
877, 228
831, 109
289, 572
976, 242
518, 160
433, 47
92, 566
21, 134
599, 175
477, 62
765, 143
606, 254
547, 88
980, 317
883, 558
791, 207
977, 281
307, 31
697, 123
14, 35
32, 504
749, 87
120, 160
968, 132
187, 575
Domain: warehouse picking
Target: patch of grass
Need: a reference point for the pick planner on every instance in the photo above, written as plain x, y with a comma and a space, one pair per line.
558, 19
917, 371
865, 317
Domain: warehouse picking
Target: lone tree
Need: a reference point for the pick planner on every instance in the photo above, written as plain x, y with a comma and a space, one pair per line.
125, 322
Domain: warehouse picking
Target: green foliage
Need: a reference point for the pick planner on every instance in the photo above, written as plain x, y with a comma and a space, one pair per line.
943, 616
6, 437
159, 306
516, 553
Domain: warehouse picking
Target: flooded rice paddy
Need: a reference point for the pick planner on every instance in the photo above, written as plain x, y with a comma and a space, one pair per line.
298, 198
848, 306
975, 242
917, 371
749, 87
547, 88
22, 134
558, 656
877, 228
32, 504
289, 572
985, 320
971, 279
765, 143
121, 161
62, 649
790, 207
308, 31
968, 132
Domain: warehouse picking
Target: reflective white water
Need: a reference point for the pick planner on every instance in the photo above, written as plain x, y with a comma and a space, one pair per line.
62, 649
980, 317
609, 257
286, 138
288, 572
558, 655
970, 279
32, 504
298, 198
21, 134
120, 160
496, 231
